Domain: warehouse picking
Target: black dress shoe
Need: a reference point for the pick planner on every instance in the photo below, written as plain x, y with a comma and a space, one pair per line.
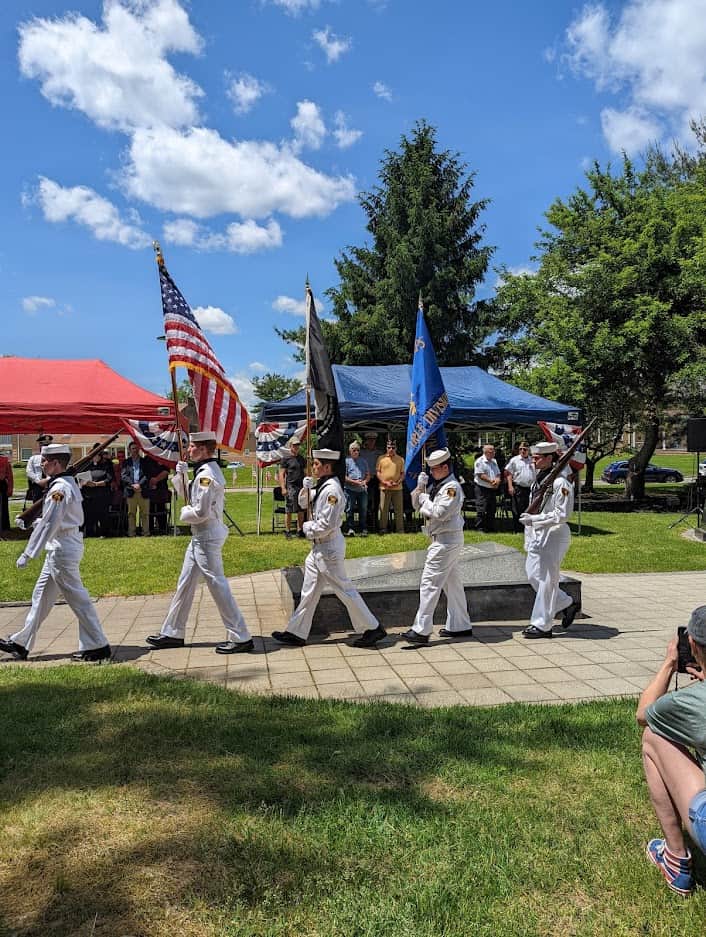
466, 633
235, 647
568, 615
12, 647
95, 654
413, 637
164, 640
370, 637
534, 632
286, 637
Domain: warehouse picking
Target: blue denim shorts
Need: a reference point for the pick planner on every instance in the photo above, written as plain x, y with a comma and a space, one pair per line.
697, 819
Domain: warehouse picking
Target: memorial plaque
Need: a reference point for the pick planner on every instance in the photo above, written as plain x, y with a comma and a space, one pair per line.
493, 576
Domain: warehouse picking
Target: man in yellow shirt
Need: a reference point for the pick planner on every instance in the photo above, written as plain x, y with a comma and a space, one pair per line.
390, 473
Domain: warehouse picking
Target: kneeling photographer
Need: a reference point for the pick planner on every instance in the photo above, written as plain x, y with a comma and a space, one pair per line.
674, 754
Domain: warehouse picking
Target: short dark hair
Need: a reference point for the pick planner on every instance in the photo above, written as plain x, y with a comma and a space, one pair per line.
63, 459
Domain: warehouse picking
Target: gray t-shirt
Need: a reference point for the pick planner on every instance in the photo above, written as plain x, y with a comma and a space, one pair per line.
681, 717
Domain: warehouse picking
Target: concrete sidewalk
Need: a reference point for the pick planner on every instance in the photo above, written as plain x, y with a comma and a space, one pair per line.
612, 651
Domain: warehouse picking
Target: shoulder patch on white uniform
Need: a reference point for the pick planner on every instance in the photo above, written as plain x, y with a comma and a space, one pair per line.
565, 492
451, 491
332, 499
205, 481
57, 495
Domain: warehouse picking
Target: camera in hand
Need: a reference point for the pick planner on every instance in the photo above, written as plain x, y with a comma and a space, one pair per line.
686, 658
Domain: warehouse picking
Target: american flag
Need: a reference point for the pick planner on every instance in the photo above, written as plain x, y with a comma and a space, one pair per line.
217, 403
271, 439
158, 440
564, 434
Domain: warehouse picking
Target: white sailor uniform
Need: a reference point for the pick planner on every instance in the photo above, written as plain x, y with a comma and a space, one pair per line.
444, 526
57, 531
324, 566
547, 538
204, 512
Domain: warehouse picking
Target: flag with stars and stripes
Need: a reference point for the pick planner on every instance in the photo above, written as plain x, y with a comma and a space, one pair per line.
217, 403
158, 440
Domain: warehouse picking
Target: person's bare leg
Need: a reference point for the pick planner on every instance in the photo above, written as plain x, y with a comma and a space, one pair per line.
673, 778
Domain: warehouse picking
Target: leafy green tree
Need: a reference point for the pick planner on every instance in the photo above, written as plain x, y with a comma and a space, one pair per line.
272, 386
614, 320
185, 393
425, 239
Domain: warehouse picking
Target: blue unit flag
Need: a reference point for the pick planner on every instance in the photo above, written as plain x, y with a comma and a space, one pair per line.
429, 404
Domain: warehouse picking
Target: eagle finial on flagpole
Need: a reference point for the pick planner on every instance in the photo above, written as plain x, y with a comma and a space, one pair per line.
421, 301
158, 253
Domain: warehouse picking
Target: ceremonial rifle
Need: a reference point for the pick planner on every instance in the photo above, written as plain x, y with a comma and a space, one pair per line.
536, 504
30, 514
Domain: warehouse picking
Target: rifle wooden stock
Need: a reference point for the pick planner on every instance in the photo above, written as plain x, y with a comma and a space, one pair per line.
536, 504
30, 514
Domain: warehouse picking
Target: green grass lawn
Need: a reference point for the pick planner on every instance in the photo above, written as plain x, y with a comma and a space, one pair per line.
609, 542
141, 805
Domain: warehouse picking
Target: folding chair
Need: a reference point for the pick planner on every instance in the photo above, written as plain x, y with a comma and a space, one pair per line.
278, 509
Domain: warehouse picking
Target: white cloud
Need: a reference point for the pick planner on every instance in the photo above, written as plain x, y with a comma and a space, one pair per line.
215, 320
247, 237
117, 73
294, 7
32, 304
308, 125
332, 45
245, 91
199, 173
381, 90
243, 386
653, 55
345, 135
258, 366
295, 307
86, 207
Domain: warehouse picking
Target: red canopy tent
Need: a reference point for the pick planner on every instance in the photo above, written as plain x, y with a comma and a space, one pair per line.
40, 394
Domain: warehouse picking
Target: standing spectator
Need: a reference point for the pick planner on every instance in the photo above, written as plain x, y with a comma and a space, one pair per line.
390, 472
158, 494
519, 478
6, 489
58, 533
136, 487
370, 454
291, 475
487, 479
97, 494
37, 480
674, 756
357, 477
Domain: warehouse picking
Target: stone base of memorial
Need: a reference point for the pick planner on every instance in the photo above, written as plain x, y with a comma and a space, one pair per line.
493, 577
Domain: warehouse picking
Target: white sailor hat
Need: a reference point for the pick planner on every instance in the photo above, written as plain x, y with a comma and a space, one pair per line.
295, 441
544, 448
54, 449
437, 457
206, 436
326, 455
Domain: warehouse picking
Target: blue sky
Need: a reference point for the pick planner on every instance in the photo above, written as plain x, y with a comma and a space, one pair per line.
238, 133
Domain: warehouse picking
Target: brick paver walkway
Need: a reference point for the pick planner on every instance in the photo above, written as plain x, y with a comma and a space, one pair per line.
612, 651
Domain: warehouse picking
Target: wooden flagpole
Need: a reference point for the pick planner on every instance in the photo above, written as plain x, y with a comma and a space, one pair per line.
175, 400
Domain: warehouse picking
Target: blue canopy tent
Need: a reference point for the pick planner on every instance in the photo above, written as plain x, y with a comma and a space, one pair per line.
378, 397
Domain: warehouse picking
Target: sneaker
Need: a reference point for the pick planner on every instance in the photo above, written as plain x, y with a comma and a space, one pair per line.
675, 869
349, 533
288, 534
301, 535
364, 533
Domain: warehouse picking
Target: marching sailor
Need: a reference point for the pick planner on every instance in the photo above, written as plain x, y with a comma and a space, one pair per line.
547, 538
325, 563
441, 507
57, 532
205, 499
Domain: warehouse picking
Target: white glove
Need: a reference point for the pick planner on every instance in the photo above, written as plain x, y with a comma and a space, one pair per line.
423, 497
308, 482
422, 480
306, 527
527, 520
182, 468
22, 561
181, 514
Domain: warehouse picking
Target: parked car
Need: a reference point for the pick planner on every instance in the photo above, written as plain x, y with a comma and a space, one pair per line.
235, 465
618, 472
